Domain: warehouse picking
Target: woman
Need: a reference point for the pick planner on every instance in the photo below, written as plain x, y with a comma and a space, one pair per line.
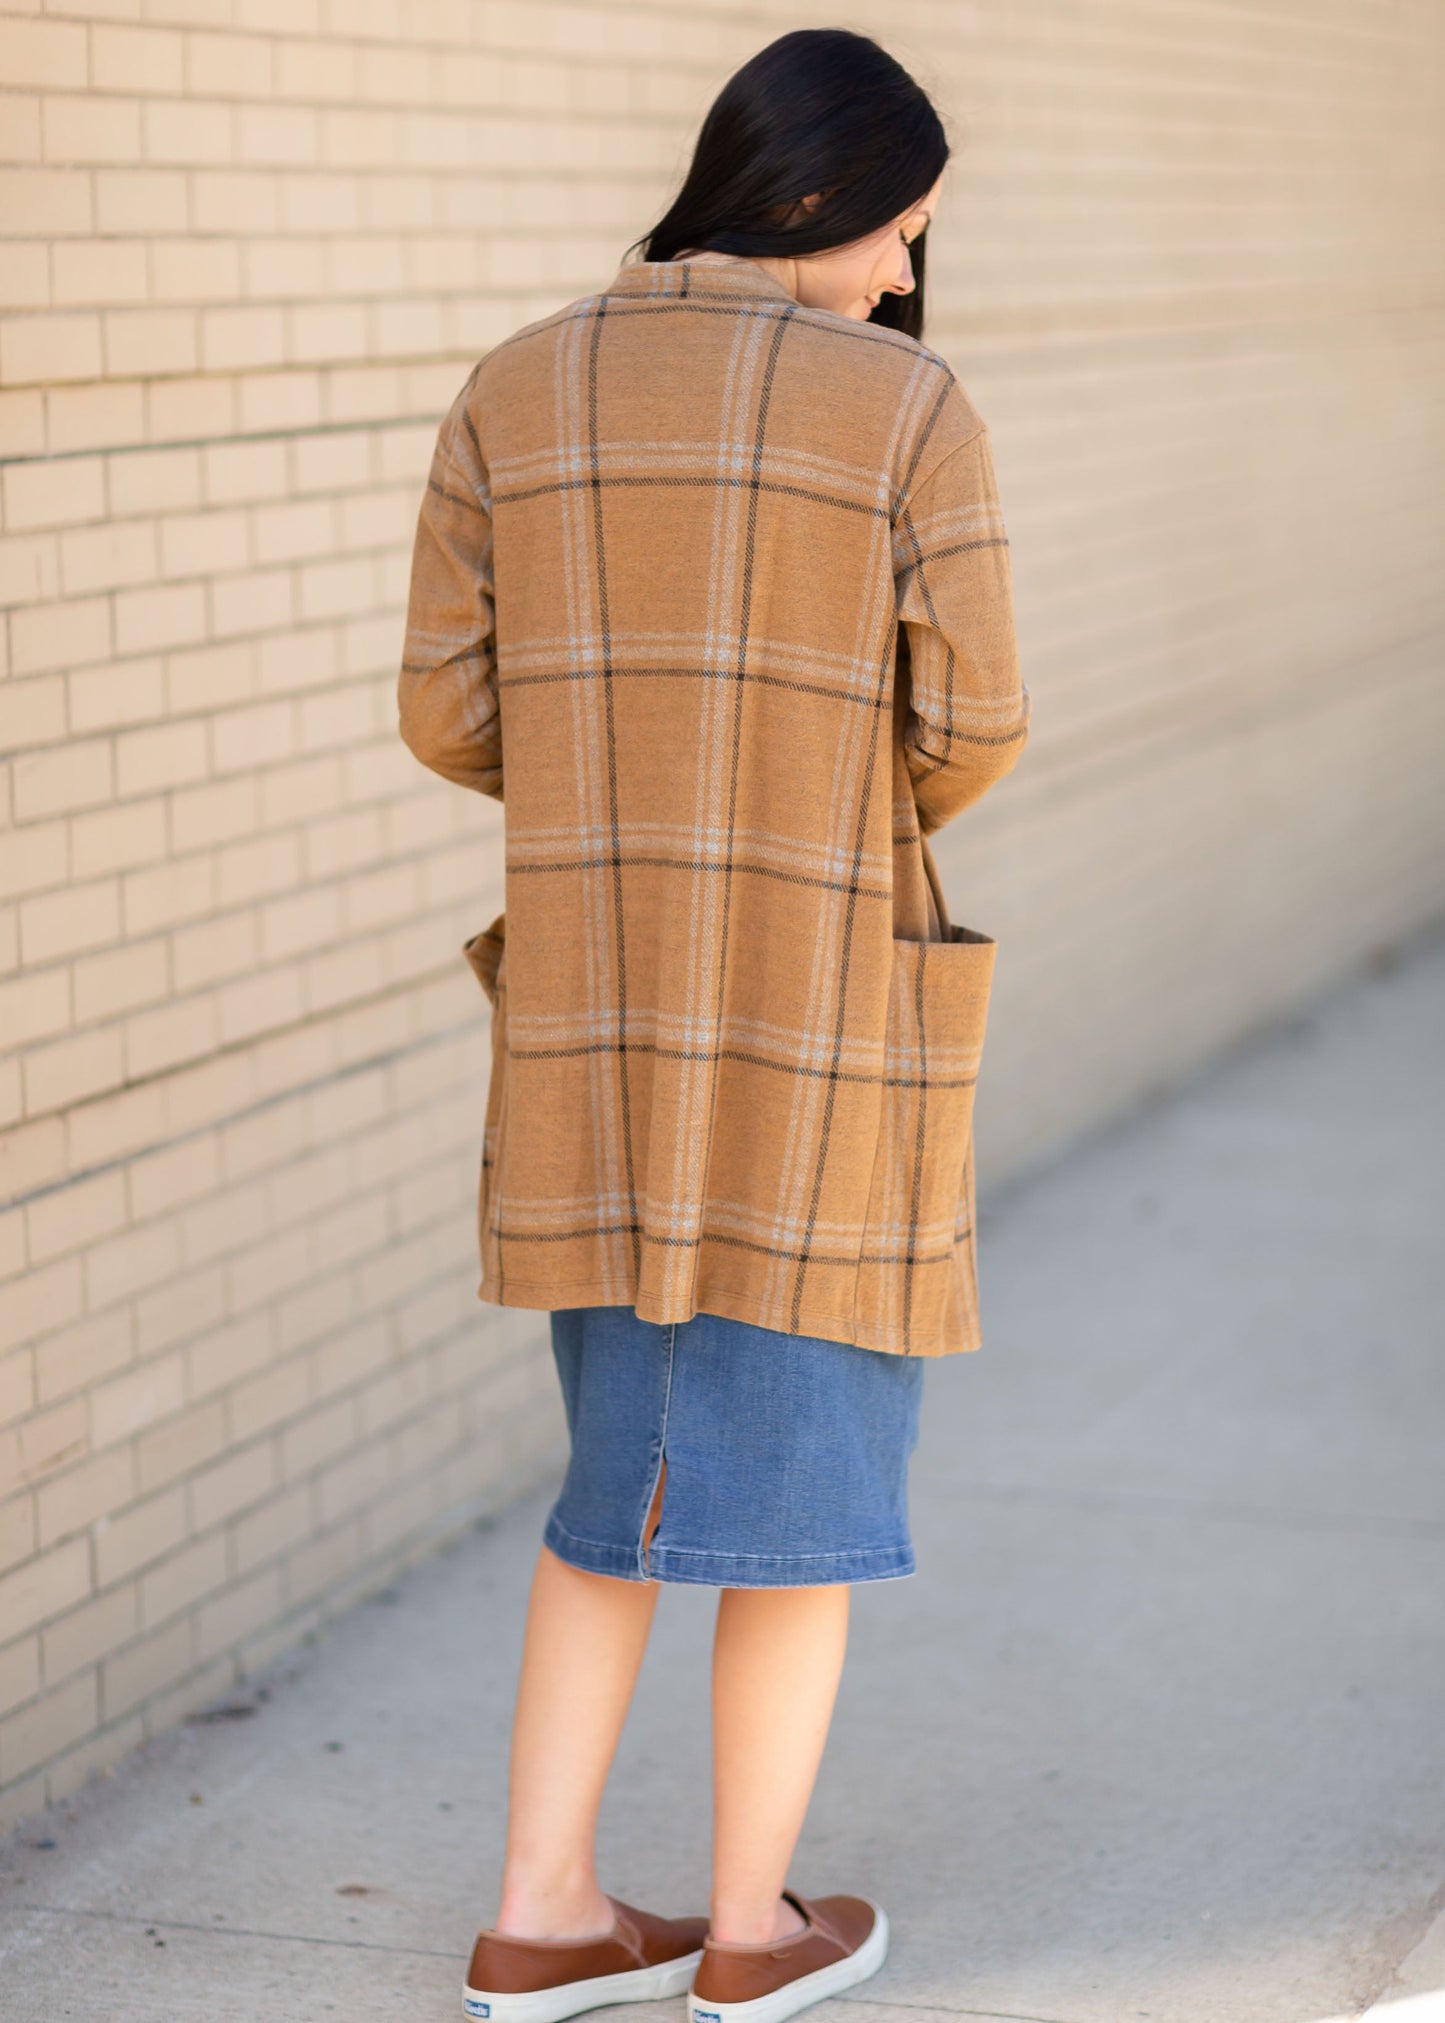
710, 571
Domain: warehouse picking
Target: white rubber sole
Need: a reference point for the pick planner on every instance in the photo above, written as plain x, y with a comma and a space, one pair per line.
807, 1989
549, 2005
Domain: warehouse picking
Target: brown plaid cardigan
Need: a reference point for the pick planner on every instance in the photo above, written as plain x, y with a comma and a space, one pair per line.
718, 586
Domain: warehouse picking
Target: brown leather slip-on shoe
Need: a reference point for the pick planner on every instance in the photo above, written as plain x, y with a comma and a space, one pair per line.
541, 1980
845, 1940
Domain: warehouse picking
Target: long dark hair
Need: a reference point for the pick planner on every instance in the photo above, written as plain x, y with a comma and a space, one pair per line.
819, 109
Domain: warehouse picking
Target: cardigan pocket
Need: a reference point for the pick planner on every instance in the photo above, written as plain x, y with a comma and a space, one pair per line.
485, 954
917, 1277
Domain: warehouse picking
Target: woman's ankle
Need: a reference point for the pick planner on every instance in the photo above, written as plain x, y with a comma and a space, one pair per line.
550, 1910
739, 1924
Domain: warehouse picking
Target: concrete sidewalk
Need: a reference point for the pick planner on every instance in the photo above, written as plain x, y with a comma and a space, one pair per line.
1157, 1732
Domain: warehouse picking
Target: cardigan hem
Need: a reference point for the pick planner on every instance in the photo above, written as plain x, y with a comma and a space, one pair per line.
536, 1295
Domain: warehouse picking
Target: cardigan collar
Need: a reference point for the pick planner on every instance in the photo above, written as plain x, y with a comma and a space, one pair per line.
734, 277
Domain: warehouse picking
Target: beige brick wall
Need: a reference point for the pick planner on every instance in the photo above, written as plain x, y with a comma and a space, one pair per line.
1190, 269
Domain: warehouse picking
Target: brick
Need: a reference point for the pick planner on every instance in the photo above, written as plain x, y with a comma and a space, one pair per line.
280, 400
59, 635
54, 492
69, 1218
117, 1269
229, 66
25, 276
323, 333
89, 1633
237, 472
282, 135
35, 859
51, 1440
168, 755
172, 1451
254, 736
159, 616
75, 1500
241, 1479
269, 1400
295, 529
77, 775
106, 986
144, 1668
353, 1484
55, 924
170, 1034
296, 923
196, 270
99, 273
139, 1535
29, 568
242, 201
104, 416
47, 53
116, 839
187, 131
150, 341
135, 59
320, 203
140, 200
19, 1673
161, 895
213, 949
234, 339
251, 1605
31, 1156
175, 1175
186, 1305
72, 1069
103, 698
47, 1726
31, 712
116, 1124
22, 422
315, 70
154, 481
91, 129
135, 1400
218, 812
105, 557
196, 544
181, 1581
36, 350
45, 1298
259, 1004
34, 1005
210, 677
12, 1242
17, 1385
17, 1512
49, 201
45, 1587
191, 409
299, 658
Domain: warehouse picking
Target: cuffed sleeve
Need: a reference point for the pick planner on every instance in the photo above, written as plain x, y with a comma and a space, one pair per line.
968, 714
447, 696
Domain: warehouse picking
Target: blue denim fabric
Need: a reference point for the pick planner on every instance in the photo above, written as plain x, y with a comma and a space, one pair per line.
787, 1455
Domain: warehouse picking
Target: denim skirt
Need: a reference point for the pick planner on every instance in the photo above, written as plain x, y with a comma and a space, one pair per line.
781, 1460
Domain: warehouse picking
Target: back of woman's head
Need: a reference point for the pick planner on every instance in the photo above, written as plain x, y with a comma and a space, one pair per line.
820, 111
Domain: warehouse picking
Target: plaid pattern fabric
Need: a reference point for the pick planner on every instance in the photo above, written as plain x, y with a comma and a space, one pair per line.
713, 590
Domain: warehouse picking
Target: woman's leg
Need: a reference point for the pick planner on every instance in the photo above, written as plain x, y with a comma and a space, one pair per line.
585, 1638
777, 1659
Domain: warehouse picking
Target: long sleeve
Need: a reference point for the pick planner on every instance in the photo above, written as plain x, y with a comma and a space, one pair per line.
447, 696
968, 713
